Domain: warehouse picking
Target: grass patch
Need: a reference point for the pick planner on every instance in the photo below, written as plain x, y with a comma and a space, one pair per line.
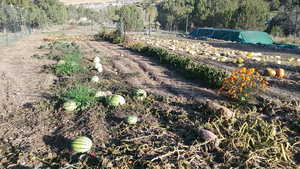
61, 50
73, 56
67, 53
59, 45
84, 96
68, 68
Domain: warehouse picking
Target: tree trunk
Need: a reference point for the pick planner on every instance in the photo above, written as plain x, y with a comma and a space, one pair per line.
149, 24
186, 23
296, 23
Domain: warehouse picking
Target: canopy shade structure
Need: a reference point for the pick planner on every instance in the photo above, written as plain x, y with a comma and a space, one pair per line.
242, 36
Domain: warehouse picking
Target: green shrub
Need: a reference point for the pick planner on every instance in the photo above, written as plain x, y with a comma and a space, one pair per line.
113, 36
62, 51
82, 95
63, 46
74, 56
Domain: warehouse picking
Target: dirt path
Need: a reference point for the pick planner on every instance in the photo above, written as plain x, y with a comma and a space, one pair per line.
21, 78
21, 84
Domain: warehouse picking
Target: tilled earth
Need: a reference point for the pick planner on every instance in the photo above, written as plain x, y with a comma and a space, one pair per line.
31, 128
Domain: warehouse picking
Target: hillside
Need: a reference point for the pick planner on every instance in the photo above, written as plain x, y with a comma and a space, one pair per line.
75, 2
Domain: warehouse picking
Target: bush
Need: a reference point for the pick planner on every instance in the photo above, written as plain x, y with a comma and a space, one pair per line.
68, 68
111, 36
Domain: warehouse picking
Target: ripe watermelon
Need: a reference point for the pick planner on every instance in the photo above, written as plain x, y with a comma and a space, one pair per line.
131, 119
81, 144
70, 105
115, 100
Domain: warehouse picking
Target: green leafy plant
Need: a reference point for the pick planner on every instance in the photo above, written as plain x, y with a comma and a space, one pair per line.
82, 95
111, 36
72, 56
60, 45
62, 50
68, 68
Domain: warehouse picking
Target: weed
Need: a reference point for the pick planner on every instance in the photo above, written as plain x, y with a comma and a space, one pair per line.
72, 56
82, 95
96, 51
68, 68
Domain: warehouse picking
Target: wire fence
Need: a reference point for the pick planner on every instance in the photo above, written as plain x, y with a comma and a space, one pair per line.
17, 23
14, 24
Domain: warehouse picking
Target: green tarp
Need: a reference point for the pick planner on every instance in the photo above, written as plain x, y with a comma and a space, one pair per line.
243, 36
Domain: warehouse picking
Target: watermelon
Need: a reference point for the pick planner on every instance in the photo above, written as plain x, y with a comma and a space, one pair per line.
70, 105
115, 100
99, 67
140, 94
95, 79
131, 119
96, 59
81, 144
102, 94
61, 62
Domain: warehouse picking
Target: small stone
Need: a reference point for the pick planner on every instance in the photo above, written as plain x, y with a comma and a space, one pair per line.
207, 135
222, 110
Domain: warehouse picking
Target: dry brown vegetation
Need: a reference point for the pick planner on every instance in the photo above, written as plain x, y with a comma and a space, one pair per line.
182, 123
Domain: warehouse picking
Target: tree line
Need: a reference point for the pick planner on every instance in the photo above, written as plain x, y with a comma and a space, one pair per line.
279, 16
274, 16
14, 14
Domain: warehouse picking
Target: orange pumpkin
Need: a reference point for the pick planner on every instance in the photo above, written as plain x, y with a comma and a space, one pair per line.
280, 73
270, 72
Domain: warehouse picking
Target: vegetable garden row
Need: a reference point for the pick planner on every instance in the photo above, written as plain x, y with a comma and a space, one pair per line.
102, 121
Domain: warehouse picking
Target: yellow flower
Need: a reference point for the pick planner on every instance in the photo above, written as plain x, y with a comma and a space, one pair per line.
243, 70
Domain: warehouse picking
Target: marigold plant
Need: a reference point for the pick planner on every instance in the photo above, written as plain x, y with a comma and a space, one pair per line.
243, 83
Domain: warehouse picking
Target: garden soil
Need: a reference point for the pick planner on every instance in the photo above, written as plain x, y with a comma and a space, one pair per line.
23, 84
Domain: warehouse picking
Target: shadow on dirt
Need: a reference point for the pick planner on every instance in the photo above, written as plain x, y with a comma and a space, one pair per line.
57, 143
259, 65
19, 167
183, 119
294, 88
174, 74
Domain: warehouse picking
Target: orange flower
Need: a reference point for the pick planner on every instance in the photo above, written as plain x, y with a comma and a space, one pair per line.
243, 82
252, 70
